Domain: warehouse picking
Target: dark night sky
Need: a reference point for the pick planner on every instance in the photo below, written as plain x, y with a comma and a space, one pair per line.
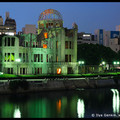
89, 16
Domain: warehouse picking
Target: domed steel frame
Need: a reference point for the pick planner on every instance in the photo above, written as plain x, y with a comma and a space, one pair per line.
50, 14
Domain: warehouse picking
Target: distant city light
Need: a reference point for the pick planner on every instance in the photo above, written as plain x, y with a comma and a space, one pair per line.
9, 33
86, 35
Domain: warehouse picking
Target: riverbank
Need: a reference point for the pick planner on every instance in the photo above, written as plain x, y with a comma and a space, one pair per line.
41, 76
48, 84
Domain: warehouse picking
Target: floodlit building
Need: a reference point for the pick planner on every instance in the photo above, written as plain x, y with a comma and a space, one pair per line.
29, 28
1, 20
114, 44
83, 37
100, 35
9, 27
52, 51
7, 15
118, 28
108, 38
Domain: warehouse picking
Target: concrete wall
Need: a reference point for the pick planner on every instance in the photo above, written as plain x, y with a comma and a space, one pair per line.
63, 84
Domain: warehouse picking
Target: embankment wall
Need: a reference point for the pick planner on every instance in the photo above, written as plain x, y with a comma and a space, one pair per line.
60, 85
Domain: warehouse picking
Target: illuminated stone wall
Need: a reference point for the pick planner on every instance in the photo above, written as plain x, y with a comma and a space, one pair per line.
53, 49
62, 43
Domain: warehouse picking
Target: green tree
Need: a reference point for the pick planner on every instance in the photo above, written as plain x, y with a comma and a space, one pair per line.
94, 54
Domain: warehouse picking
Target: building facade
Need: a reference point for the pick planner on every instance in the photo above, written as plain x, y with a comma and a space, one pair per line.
9, 27
83, 37
108, 39
118, 28
114, 44
52, 51
29, 28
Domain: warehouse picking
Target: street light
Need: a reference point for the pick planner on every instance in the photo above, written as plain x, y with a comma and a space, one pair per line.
81, 62
116, 62
103, 62
103, 65
18, 61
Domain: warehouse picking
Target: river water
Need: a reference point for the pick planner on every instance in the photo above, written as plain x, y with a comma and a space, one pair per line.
81, 103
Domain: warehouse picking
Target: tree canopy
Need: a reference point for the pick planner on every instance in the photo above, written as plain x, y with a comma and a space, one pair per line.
94, 54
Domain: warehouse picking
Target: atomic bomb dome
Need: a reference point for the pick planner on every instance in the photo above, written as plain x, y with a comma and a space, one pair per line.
50, 14
49, 18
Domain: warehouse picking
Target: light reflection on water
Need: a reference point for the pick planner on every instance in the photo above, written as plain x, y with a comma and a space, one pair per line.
58, 105
61, 104
17, 113
80, 108
116, 101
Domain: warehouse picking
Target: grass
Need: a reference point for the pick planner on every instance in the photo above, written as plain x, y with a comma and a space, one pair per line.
8, 76
12, 76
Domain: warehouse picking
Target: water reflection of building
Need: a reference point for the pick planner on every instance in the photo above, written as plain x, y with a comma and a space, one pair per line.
46, 106
7, 110
116, 101
43, 107
10, 110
